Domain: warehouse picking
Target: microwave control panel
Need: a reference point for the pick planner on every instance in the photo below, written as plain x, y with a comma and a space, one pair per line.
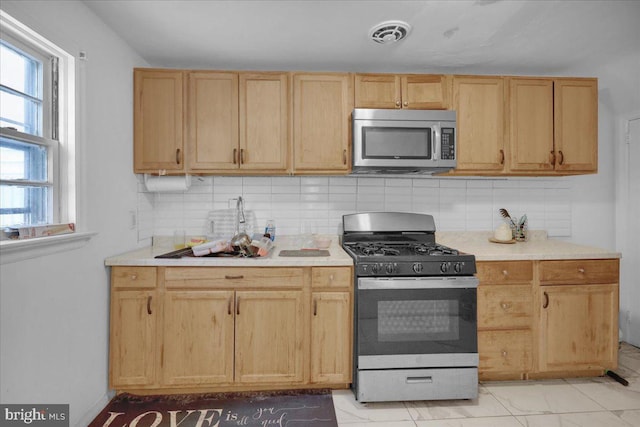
448, 144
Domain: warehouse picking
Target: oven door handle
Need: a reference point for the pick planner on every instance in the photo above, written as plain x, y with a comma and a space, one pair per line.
369, 283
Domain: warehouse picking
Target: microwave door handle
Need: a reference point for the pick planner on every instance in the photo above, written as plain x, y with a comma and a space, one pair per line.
436, 133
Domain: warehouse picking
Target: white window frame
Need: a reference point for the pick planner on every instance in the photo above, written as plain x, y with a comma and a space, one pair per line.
65, 181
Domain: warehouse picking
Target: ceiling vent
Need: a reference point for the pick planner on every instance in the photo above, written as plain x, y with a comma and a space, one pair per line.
389, 32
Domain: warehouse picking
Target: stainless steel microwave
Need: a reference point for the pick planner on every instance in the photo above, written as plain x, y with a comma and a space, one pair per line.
403, 141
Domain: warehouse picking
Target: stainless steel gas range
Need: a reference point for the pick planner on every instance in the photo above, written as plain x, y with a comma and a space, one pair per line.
415, 310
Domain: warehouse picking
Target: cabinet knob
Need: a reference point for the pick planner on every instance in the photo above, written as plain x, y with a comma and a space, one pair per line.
505, 306
504, 353
134, 276
581, 270
398, 104
405, 103
331, 278
505, 273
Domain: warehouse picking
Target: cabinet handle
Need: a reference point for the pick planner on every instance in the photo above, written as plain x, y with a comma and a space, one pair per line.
178, 156
242, 156
581, 270
344, 157
234, 277
238, 307
398, 104
229, 306
502, 157
149, 305
315, 307
235, 156
552, 158
561, 161
546, 300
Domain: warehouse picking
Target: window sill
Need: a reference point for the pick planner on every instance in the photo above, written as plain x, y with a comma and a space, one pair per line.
20, 250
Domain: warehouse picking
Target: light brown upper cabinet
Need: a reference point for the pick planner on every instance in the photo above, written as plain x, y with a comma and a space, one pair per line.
575, 106
480, 103
157, 121
410, 91
237, 121
322, 106
553, 125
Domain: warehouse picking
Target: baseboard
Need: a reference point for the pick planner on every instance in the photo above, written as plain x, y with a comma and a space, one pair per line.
95, 409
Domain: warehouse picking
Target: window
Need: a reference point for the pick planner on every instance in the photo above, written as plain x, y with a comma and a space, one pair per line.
29, 144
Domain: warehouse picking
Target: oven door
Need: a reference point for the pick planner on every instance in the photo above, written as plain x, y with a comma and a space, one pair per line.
410, 316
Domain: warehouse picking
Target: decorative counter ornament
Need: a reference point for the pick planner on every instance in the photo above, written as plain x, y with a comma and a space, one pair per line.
518, 226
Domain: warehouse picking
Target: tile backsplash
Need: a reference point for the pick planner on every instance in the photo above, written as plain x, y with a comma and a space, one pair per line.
316, 204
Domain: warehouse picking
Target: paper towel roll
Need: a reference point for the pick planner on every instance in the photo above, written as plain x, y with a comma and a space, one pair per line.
168, 184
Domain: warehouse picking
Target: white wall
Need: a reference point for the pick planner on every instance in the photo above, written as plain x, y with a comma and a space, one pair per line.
54, 309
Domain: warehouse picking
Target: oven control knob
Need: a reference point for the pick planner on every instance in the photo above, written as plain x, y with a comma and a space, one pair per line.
417, 267
389, 268
375, 268
444, 267
457, 267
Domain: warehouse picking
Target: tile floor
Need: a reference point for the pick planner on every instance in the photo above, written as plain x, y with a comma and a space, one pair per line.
584, 402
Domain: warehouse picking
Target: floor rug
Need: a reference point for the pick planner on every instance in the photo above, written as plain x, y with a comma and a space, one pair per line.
299, 408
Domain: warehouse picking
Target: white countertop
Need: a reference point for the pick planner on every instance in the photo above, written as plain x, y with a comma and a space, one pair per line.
145, 257
538, 247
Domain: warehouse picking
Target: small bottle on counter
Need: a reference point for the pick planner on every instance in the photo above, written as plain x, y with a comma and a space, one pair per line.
270, 229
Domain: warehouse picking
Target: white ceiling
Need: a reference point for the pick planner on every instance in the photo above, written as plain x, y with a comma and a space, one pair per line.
483, 36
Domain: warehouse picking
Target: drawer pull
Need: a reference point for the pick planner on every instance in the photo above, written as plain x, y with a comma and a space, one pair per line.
546, 300
233, 277
505, 306
504, 353
416, 380
134, 276
505, 273
149, 305
581, 270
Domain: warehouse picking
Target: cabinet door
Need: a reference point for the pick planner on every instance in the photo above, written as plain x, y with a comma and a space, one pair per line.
213, 121
269, 337
479, 103
264, 113
377, 91
331, 329
576, 124
157, 116
578, 327
531, 124
133, 338
322, 106
198, 337
425, 92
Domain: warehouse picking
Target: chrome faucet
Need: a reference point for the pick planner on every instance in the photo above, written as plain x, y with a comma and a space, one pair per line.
240, 218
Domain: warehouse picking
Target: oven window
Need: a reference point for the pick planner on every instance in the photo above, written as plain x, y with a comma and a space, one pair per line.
418, 320
396, 143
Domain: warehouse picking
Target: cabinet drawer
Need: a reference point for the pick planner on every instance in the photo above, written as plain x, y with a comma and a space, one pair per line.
505, 272
133, 277
579, 271
505, 351
505, 306
331, 277
226, 277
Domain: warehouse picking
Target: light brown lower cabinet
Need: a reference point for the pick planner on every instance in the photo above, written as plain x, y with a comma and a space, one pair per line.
225, 329
547, 319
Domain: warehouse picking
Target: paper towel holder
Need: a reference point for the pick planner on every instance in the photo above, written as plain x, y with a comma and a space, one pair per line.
166, 183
